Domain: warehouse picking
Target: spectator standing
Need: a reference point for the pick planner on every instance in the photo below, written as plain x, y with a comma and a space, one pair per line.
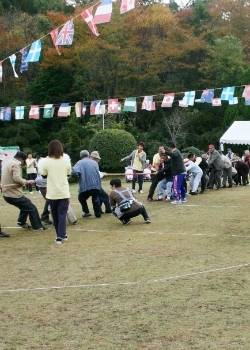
138, 160
57, 168
12, 183
136, 209
87, 172
178, 172
216, 164
31, 170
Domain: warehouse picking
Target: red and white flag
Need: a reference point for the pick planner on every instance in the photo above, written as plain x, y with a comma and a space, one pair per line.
127, 5
216, 102
168, 100
54, 34
103, 12
246, 92
64, 110
113, 105
1, 71
148, 103
88, 17
34, 112
182, 103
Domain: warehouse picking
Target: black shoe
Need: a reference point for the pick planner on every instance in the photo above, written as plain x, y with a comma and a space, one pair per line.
2, 234
149, 199
224, 186
126, 222
108, 211
202, 191
25, 225
193, 193
48, 222
40, 229
229, 186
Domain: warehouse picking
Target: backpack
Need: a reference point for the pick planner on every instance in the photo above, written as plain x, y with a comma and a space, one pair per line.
126, 203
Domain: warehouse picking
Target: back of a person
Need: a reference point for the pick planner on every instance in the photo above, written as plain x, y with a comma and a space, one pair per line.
57, 182
127, 193
90, 177
177, 164
8, 178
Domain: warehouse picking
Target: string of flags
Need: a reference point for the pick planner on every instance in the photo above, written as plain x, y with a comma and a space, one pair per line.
66, 35
97, 107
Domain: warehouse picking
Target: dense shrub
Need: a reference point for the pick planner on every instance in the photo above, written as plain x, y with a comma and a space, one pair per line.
112, 145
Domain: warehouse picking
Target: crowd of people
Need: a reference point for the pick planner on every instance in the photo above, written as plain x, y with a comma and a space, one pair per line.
169, 172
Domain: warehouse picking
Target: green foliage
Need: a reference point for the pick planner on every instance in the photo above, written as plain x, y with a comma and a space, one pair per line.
112, 144
194, 150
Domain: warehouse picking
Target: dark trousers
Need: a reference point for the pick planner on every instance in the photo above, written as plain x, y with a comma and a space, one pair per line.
155, 179
215, 177
45, 213
32, 176
138, 178
104, 198
83, 197
59, 208
27, 208
204, 181
141, 211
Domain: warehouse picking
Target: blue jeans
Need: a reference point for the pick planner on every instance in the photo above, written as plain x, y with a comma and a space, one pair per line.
165, 185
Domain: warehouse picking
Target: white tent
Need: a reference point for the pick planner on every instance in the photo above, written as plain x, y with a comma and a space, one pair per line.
238, 133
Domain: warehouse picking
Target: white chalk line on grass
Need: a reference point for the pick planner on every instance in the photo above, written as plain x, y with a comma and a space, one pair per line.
130, 283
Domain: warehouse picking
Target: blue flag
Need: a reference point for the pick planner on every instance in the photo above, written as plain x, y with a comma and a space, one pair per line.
34, 52
6, 113
24, 65
207, 96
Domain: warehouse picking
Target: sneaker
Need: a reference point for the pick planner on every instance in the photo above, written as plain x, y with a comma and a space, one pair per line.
48, 222
177, 201
58, 240
40, 229
147, 221
2, 234
159, 199
31, 192
86, 215
74, 222
140, 191
167, 200
133, 190
25, 225
126, 222
193, 193
184, 200
65, 239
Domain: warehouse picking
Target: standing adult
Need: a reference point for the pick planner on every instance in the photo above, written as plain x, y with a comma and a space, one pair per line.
138, 159
56, 167
87, 172
178, 172
154, 172
102, 195
31, 170
227, 171
216, 164
3, 234
12, 184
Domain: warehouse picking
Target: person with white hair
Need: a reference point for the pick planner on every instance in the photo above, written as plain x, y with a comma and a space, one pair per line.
87, 172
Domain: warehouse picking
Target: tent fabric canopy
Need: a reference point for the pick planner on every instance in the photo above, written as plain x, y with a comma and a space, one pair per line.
238, 133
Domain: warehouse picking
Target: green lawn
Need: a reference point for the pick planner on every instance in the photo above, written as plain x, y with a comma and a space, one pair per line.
181, 282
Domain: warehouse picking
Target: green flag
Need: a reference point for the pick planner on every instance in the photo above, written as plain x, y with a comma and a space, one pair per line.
130, 104
48, 111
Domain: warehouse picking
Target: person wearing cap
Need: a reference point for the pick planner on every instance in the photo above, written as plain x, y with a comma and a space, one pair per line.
216, 164
12, 183
102, 195
205, 168
87, 172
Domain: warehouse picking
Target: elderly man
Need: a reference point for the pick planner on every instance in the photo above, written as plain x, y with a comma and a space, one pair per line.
12, 183
102, 195
216, 164
87, 171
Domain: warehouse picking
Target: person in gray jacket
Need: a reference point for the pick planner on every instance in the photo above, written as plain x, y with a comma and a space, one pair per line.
216, 164
138, 160
227, 171
87, 172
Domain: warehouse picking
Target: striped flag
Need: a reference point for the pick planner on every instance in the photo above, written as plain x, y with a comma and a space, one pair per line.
34, 112
130, 105
19, 112
148, 103
168, 100
96, 108
64, 110
103, 12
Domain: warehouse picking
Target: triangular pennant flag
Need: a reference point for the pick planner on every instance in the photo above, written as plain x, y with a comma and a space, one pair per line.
54, 34
148, 103
127, 5
227, 93
88, 17
234, 101
24, 65
246, 92
83, 109
207, 96
19, 112
1, 71
113, 105
103, 12
6, 113
34, 112
34, 52
13, 62
66, 35
130, 105
48, 111
216, 102
168, 100
78, 109
64, 110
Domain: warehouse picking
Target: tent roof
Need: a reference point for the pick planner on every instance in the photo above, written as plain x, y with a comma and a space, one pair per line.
238, 133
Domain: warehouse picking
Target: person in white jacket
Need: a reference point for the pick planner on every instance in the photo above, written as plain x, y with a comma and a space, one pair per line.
227, 171
196, 172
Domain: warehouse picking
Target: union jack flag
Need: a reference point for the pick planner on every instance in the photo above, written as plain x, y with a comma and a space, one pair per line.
66, 35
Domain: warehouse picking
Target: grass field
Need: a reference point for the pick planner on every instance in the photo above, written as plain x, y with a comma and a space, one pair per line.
180, 283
